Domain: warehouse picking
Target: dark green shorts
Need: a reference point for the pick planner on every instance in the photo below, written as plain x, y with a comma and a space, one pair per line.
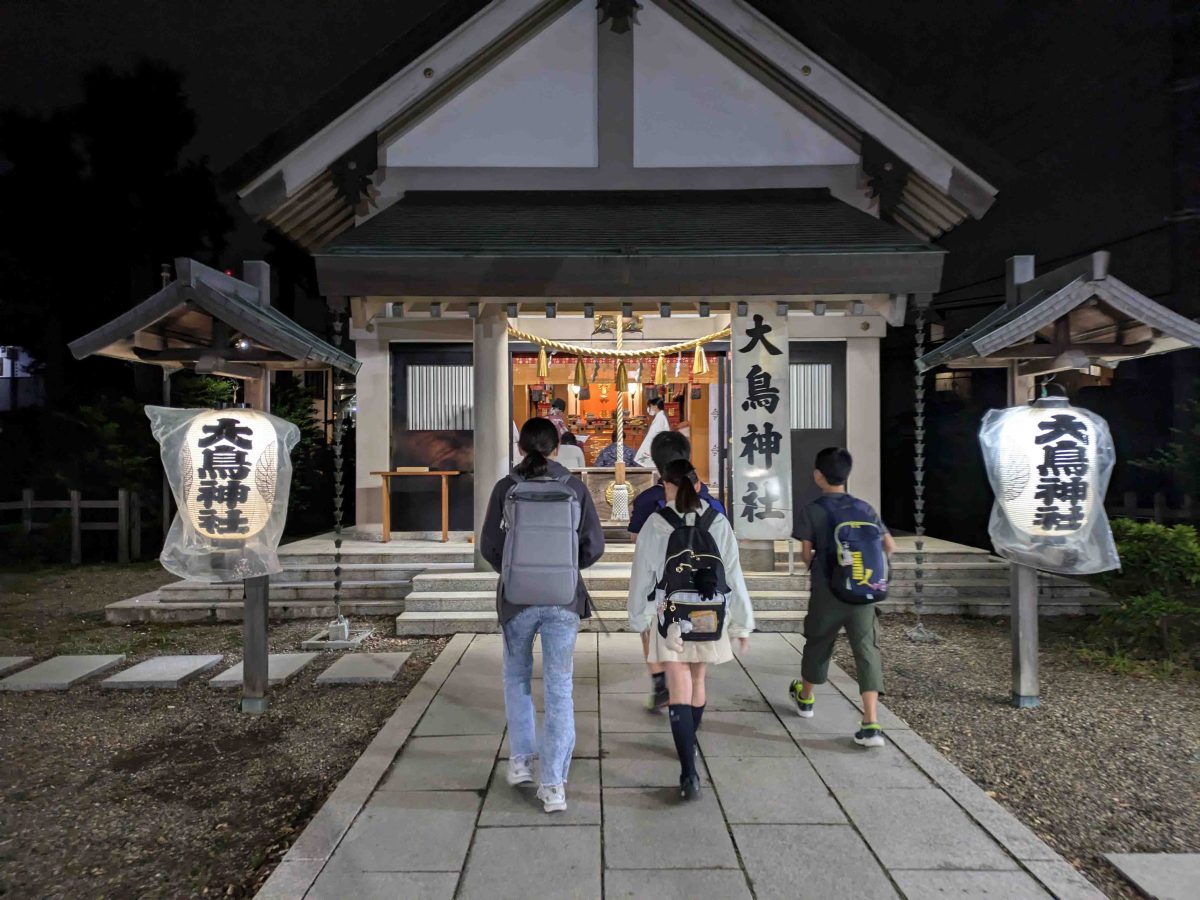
827, 616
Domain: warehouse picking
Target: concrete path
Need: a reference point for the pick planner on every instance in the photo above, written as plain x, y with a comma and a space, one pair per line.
791, 807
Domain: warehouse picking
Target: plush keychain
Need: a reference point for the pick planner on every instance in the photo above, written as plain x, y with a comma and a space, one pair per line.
675, 632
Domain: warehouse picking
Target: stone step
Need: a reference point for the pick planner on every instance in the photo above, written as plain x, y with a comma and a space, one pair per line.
323, 571
61, 672
162, 672
150, 609
281, 667
193, 591
353, 553
479, 601
433, 623
441, 582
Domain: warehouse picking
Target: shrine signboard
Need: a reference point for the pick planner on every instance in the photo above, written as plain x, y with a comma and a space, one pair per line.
762, 437
231, 472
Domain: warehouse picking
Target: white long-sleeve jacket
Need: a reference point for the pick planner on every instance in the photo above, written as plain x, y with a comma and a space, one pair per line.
650, 557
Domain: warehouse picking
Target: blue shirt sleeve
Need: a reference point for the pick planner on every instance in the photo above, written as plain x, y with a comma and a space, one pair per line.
644, 506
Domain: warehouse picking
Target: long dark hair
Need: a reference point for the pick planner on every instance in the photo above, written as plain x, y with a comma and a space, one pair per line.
680, 472
539, 438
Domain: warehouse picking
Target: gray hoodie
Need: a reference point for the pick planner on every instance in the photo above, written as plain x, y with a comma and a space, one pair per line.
591, 540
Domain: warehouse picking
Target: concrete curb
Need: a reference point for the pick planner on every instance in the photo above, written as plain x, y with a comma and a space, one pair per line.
306, 858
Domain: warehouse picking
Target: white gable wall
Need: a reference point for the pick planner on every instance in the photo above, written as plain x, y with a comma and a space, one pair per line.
695, 107
536, 108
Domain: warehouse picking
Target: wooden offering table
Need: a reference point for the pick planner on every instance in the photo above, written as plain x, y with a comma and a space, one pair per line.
387, 498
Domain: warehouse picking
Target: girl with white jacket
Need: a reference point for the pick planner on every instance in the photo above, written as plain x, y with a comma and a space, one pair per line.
685, 668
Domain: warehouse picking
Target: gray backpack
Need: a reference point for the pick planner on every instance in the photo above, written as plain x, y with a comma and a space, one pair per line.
541, 544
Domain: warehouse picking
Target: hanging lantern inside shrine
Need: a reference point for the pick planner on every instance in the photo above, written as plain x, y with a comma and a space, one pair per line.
230, 471
1049, 465
543, 368
700, 361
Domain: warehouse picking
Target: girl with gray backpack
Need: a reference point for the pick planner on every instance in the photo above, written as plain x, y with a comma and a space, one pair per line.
540, 530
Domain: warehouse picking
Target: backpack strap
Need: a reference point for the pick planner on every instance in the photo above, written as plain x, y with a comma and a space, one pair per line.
710, 515
672, 517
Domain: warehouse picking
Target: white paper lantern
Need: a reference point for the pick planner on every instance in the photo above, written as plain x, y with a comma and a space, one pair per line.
1049, 465
230, 471
229, 467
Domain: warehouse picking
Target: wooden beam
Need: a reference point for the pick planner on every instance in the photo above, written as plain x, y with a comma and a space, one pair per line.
186, 354
1091, 268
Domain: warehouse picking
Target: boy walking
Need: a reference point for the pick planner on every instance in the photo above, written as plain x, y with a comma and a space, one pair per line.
827, 613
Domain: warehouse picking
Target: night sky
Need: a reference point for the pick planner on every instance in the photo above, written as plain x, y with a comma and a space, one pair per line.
1073, 95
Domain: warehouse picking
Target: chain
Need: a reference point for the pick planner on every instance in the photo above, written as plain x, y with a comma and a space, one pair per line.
919, 632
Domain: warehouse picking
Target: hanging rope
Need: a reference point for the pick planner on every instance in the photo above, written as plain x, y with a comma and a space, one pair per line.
579, 350
919, 633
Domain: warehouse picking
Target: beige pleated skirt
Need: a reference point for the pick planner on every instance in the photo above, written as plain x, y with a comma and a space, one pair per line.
714, 652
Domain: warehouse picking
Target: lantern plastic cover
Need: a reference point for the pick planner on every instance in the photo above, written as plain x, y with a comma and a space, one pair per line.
231, 515
1012, 456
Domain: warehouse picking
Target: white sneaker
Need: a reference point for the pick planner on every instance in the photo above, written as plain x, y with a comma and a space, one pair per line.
520, 770
553, 797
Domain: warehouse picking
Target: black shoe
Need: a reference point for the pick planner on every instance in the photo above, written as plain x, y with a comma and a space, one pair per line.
869, 735
689, 788
657, 699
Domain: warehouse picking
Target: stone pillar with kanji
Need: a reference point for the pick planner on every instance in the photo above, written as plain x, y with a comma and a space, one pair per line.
761, 503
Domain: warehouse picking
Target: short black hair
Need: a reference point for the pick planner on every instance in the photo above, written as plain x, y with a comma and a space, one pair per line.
659, 402
667, 447
559, 404
567, 438
834, 464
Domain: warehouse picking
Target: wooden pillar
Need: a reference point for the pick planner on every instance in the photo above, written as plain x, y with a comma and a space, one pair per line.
493, 425
123, 526
76, 543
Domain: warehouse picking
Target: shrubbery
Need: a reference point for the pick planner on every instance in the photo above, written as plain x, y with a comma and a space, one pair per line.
1158, 593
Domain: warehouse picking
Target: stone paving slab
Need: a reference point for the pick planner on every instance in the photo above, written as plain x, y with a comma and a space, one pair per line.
60, 672
810, 862
745, 734
337, 884
409, 831
938, 885
281, 667
506, 805
647, 828
566, 864
1163, 876
12, 663
772, 790
790, 808
840, 762
921, 828
675, 884
628, 713
162, 672
456, 763
364, 668
642, 760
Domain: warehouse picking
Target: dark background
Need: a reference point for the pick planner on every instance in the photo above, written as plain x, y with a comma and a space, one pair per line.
1090, 105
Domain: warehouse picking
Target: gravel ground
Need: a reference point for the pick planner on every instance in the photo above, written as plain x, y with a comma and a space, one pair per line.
164, 793
1109, 763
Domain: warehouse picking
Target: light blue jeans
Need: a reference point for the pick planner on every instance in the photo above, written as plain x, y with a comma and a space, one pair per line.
558, 627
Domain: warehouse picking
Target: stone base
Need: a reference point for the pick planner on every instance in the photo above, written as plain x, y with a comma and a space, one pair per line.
757, 556
321, 641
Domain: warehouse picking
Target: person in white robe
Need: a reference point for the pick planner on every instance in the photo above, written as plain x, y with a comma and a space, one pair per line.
658, 424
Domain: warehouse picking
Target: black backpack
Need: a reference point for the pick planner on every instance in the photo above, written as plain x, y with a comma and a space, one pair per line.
692, 587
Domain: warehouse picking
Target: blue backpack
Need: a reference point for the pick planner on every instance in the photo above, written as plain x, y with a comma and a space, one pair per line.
857, 564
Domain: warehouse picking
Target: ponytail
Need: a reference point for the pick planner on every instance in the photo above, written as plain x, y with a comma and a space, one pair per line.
538, 440
680, 473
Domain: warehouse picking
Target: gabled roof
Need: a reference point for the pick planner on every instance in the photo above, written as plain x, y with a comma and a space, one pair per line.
329, 151
1096, 319
183, 323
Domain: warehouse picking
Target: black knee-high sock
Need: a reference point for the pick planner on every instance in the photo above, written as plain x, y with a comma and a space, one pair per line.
697, 715
659, 679
683, 729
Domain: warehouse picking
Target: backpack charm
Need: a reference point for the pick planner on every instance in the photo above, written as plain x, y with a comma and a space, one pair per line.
692, 594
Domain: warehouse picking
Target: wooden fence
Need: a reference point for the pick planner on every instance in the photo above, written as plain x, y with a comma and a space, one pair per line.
128, 525
1158, 512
